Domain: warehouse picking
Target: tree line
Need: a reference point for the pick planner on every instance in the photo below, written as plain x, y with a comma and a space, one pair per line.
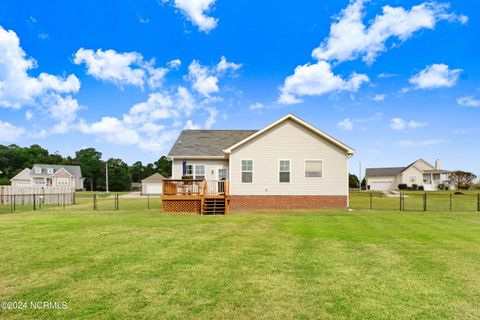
14, 159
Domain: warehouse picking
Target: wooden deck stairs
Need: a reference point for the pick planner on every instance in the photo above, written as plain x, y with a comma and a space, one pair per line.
214, 205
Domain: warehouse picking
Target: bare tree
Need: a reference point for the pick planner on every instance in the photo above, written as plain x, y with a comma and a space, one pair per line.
462, 179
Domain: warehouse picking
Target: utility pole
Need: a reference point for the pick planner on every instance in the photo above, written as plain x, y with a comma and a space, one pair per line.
359, 175
106, 175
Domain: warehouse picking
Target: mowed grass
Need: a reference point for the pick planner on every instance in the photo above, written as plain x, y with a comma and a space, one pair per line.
286, 265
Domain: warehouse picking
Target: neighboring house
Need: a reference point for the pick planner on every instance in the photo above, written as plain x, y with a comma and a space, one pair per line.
136, 186
289, 164
49, 175
152, 185
420, 173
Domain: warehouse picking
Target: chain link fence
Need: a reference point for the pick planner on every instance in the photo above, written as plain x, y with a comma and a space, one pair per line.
78, 202
424, 201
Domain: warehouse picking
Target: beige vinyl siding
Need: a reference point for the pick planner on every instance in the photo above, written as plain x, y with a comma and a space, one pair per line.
289, 141
413, 171
422, 165
210, 165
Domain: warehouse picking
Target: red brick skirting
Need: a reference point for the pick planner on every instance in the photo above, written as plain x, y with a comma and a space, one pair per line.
251, 202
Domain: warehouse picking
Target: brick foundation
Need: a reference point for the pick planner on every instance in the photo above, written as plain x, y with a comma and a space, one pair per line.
279, 202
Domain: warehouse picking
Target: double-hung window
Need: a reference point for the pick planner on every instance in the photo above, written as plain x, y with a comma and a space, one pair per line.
247, 171
284, 171
189, 171
222, 174
199, 172
313, 168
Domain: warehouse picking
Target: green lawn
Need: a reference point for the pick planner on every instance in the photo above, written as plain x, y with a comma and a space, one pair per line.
328, 265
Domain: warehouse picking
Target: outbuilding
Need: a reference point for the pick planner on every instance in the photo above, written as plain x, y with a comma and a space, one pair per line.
152, 185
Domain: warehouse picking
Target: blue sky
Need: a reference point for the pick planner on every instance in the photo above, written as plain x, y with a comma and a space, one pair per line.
396, 80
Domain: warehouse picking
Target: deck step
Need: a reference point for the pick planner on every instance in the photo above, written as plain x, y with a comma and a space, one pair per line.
213, 206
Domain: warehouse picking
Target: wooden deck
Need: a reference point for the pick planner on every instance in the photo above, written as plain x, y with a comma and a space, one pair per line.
196, 196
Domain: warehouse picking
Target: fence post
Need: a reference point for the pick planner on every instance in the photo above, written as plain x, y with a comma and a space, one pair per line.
451, 202
400, 198
11, 204
371, 200
425, 201
117, 202
94, 202
148, 201
64, 201
34, 203
14, 203
478, 202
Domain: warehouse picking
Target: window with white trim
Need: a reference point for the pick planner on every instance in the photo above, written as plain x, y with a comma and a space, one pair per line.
50, 170
222, 174
38, 170
39, 181
313, 168
63, 182
199, 171
189, 170
247, 171
413, 179
284, 171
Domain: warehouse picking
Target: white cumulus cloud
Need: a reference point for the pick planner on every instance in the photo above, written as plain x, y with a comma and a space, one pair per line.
111, 66
225, 65
205, 79
17, 87
111, 129
435, 76
202, 80
317, 79
350, 38
9, 132
196, 12
123, 68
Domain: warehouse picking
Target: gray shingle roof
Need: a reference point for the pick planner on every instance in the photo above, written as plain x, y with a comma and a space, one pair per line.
383, 172
207, 142
156, 177
73, 170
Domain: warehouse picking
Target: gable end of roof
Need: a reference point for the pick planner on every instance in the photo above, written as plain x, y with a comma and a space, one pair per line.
303, 123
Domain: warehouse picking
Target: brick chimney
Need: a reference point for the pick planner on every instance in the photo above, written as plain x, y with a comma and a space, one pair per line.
437, 164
